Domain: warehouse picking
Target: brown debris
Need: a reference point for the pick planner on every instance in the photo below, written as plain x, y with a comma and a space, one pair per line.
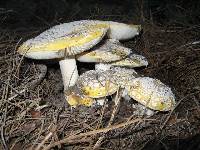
39, 117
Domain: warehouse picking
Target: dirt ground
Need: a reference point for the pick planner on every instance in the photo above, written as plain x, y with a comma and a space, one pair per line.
36, 116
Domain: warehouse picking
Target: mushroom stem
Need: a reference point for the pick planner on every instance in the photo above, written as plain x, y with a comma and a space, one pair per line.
102, 66
125, 95
69, 72
100, 101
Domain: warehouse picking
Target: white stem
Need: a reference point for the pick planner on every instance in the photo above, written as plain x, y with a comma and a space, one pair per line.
69, 72
142, 110
102, 66
100, 101
125, 95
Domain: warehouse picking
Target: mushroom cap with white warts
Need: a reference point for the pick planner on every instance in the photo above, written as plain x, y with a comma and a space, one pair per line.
75, 36
152, 93
123, 76
119, 31
96, 84
132, 61
109, 51
67, 39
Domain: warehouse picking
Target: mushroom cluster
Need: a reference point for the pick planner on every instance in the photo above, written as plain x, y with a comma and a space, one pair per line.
95, 41
65, 41
95, 85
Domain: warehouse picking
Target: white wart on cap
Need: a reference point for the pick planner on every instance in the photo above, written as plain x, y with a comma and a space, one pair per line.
152, 93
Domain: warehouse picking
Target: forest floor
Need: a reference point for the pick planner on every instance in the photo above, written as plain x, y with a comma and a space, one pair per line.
38, 117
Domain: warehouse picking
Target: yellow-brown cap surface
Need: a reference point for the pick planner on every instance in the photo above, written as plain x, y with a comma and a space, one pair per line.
75, 97
97, 84
64, 40
152, 93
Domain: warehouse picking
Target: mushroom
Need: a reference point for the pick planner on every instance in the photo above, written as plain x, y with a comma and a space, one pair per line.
122, 77
97, 85
66, 40
151, 93
112, 53
106, 52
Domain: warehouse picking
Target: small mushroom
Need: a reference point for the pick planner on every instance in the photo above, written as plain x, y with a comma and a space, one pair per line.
151, 93
108, 51
97, 84
112, 53
66, 40
122, 77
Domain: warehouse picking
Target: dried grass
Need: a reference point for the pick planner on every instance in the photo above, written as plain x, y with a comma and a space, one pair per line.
34, 114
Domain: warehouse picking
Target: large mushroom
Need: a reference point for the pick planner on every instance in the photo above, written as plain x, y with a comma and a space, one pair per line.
66, 40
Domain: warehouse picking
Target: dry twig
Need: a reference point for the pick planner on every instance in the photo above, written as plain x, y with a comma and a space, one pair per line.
34, 83
73, 138
115, 110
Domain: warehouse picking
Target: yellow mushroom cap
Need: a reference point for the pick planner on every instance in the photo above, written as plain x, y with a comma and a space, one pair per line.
152, 93
75, 37
64, 40
75, 97
131, 61
77, 100
97, 84
107, 51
